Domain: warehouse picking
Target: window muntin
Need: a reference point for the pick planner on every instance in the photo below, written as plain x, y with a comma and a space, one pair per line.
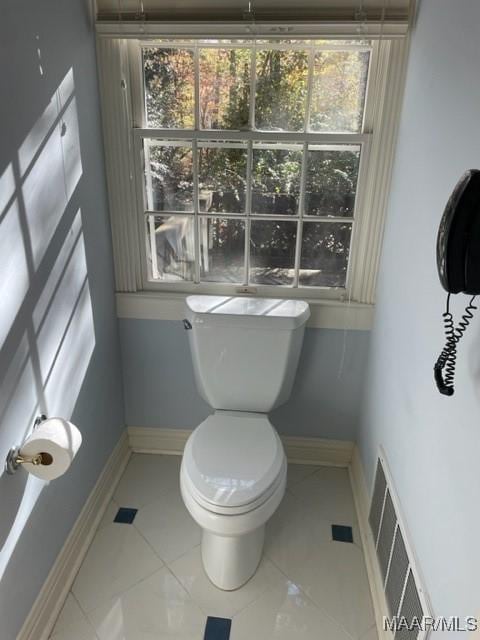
249, 169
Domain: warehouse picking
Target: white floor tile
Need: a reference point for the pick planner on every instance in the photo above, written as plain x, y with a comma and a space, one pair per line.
333, 575
299, 541
146, 478
215, 602
290, 508
329, 494
371, 634
118, 558
72, 624
284, 613
76, 632
289, 522
345, 593
295, 531
128, 594
168, 527
109, 515
298, 472
157, 607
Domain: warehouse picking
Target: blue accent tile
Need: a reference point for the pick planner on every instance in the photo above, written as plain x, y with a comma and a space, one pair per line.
340, 533
217, 628
125, 516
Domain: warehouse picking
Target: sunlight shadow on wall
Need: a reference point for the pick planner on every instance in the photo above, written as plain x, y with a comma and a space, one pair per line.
18, 401
32, 490
47, 334
14, 280
63, 342
63, 325
55, 161
34, 191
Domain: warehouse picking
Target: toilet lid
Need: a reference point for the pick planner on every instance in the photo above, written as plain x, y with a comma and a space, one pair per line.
233, 458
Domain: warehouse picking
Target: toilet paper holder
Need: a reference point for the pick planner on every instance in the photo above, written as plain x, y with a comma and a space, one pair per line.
15, 458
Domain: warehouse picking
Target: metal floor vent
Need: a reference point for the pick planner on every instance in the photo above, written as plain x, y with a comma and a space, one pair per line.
405, 595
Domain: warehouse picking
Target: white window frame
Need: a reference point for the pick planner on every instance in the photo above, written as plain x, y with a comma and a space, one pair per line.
121, 83
302, 138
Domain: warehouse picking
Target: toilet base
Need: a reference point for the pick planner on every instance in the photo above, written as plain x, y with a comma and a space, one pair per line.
230, 561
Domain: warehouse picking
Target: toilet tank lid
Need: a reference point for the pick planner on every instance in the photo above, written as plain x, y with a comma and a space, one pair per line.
259, 311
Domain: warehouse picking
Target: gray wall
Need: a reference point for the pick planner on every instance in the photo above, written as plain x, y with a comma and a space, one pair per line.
432, 442
58, 332
160, 389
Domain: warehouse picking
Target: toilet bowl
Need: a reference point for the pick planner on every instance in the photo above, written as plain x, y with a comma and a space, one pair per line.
233, 474
232, 479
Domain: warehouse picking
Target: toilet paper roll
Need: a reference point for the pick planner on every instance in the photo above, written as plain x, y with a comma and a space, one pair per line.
58, 441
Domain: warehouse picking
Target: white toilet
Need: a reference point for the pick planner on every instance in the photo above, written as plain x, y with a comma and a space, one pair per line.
245, 354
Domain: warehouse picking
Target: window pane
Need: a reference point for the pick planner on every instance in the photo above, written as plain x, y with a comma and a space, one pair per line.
338, 91
272, 251
169, 176
331, 182
171, 248
222, 250
222, 177
325, 249
224, 88
281, 90
276, 179
169, 87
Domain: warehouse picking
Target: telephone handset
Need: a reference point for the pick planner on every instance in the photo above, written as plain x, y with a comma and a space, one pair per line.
458, 262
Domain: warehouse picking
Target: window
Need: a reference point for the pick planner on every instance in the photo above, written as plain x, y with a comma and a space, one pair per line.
251, 162
238, 165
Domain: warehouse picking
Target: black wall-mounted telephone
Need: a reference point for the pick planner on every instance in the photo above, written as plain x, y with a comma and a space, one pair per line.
458, 261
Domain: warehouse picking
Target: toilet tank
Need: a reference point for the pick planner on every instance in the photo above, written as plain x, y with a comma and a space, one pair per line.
245, 350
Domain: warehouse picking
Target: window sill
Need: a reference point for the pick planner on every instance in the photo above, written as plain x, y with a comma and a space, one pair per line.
325, 314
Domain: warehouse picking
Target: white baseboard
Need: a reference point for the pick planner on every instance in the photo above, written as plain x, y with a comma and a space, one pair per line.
150, 440
298, 450
335, 453
362, 504
49, 602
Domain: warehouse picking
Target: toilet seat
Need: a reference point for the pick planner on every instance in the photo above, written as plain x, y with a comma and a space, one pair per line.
231, 511
233, 462
233, 524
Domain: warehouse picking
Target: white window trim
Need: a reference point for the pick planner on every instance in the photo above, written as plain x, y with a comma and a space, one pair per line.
324, 314
121, 137
381, 25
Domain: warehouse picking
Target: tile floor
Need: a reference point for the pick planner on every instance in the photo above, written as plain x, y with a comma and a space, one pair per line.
144, 581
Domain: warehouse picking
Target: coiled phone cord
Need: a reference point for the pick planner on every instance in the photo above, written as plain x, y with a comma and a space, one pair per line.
448, 358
